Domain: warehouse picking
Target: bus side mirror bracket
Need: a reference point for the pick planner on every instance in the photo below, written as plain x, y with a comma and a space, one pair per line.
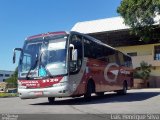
14, 53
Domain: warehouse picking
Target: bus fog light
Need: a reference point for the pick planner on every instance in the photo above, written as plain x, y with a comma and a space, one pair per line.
63, 91
59, 84
22, 87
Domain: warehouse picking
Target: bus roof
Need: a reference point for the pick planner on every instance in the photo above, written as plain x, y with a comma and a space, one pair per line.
46, 34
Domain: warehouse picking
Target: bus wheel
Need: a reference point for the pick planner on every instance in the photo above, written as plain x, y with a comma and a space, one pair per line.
100, 94
87, 95
51, 100
124, 90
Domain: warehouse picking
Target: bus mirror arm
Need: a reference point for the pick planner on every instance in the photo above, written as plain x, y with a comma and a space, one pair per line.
14, 53
73, 66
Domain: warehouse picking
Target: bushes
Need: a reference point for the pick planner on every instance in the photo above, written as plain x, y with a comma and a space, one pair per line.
141, 75
143, 72
2, 95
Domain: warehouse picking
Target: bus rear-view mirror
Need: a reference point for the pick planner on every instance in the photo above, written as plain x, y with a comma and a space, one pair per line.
74, 53
14, 53
14, 57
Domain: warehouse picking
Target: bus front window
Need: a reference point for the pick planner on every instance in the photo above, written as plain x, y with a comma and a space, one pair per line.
43, 57
54, 59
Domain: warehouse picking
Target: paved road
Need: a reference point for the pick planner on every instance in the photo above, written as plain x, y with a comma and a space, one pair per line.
136, 101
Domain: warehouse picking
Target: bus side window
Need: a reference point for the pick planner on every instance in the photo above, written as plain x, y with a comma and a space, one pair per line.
98, 50
128, 61
121, 59
87, 48
110, 55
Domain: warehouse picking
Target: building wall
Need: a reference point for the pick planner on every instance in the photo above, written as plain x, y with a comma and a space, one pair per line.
144, 53
140, 49
4, 74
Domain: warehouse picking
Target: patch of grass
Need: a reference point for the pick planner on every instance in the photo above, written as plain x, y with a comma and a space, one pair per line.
2, 95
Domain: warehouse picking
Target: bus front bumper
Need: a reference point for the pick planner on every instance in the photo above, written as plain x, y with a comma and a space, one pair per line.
60, 91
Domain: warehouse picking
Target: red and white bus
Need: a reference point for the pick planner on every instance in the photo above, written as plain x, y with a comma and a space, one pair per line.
61, 64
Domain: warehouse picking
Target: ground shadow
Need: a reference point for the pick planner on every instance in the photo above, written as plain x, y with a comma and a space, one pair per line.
107, 98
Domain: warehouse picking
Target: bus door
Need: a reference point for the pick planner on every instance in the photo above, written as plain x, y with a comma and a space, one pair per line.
76, 68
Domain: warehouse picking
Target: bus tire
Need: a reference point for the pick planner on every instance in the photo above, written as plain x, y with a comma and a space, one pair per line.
124, 90
51, 100
100, 94
87, 95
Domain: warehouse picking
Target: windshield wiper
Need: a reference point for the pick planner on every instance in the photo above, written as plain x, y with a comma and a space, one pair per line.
34, 66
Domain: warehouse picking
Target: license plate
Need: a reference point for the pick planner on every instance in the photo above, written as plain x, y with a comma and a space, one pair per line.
38, 93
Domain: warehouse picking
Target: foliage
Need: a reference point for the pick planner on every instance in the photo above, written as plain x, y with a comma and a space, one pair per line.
12, 81
8, 95
143, 72
139, 15
3, 86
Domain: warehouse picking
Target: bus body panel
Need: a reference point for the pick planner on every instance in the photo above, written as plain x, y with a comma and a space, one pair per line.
94, 70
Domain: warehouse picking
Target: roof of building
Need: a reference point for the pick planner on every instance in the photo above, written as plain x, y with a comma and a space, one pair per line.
4, 71
103, 25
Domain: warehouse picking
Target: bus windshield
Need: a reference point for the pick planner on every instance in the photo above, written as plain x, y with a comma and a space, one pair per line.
43, 57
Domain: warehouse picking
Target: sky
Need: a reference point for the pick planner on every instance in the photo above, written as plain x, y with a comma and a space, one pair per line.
22, 18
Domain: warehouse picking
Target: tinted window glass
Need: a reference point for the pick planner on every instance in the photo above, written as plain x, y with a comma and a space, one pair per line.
110, 55
89, 47
128, 61
121, 58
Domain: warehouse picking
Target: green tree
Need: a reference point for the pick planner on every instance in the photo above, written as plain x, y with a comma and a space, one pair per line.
139, 15
13, 79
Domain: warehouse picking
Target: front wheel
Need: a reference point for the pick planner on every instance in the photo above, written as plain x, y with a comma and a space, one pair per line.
51, 100
87, 95
100, 94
